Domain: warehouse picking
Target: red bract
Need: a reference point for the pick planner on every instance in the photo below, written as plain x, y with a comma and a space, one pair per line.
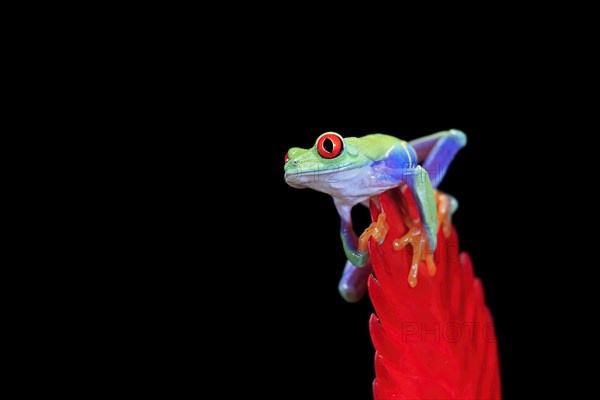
436, 340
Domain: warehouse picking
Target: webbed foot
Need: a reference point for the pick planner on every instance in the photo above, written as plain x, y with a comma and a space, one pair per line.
377, 229
417, 238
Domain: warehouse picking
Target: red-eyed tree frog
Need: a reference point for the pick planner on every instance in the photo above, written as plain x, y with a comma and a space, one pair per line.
354, 169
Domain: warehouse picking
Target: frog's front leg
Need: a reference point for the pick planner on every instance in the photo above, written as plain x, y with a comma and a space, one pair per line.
355, 248
353, 283
358, 257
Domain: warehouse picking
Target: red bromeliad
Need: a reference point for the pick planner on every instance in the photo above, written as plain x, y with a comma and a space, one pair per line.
436, 339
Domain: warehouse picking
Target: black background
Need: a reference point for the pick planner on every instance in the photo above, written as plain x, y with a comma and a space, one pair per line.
229, 281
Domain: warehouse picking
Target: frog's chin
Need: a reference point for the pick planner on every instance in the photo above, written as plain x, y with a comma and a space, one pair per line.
301, 180
315, 179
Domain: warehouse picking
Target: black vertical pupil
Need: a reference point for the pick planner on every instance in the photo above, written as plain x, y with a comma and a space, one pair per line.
328, 145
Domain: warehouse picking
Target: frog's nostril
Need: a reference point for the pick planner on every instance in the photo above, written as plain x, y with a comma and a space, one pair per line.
287, 158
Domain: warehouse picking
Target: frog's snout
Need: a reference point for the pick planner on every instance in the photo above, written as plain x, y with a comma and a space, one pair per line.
290, 160
291, 154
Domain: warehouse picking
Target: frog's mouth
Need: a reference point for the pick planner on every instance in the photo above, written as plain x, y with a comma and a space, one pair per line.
302, 179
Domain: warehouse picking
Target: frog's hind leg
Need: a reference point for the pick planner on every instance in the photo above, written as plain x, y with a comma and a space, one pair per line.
436, 152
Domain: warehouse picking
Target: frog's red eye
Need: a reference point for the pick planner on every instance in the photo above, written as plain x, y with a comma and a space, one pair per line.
286, 159
330, 145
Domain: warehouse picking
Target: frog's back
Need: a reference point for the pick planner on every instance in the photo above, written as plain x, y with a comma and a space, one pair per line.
376, 145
